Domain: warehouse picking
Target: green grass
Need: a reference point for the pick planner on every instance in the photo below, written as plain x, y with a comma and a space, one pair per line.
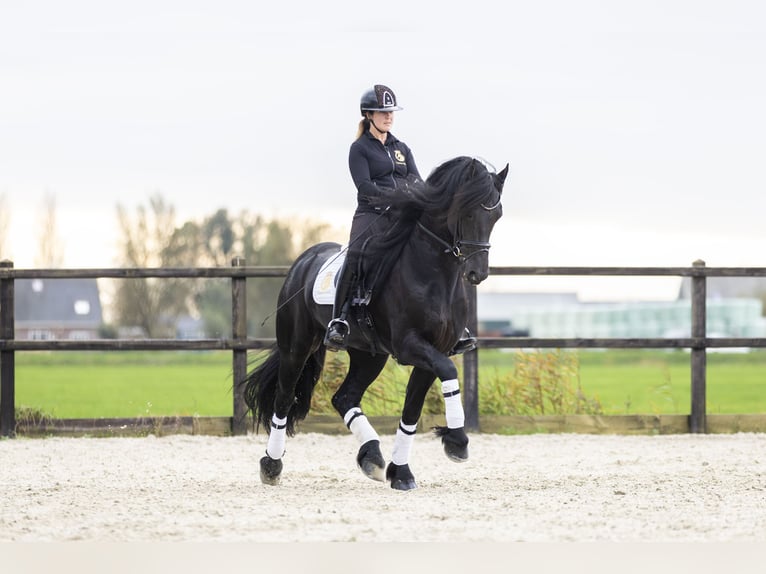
658, 382
125, 384
139, 384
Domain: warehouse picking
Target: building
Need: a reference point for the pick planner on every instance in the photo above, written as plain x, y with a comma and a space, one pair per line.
57, 309
723, 287
564, 315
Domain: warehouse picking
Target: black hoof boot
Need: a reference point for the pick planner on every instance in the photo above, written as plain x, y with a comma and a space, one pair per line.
370, 460
271, 470
455, 443
400, 477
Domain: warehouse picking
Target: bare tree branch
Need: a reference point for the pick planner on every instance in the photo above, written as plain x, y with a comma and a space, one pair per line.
50, 250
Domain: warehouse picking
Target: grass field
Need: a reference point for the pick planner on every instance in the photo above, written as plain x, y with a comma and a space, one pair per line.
659, 382
128, 384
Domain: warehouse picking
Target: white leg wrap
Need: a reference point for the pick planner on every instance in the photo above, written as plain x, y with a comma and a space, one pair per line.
405, 435
276, 445
359, 426
453, 405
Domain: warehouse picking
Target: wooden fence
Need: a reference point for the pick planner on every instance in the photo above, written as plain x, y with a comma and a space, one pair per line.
239, 344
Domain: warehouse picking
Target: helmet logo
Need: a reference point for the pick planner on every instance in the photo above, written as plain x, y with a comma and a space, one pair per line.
386, 98
379, 98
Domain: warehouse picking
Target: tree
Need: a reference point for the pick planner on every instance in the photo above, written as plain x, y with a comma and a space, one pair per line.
261, 243
151, 240
50, 250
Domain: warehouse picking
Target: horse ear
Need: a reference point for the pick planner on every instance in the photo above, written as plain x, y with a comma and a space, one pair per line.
502, 175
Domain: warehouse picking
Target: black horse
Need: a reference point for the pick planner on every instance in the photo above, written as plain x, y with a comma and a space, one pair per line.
438, 240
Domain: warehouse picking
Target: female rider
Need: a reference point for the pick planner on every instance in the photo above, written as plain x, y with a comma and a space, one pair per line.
380, 163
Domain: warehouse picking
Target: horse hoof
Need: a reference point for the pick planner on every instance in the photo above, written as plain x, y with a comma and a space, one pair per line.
370, 460
455, 443
271, 470
400, 477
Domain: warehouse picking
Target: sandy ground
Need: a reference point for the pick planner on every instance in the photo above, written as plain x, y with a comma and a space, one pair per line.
547, 488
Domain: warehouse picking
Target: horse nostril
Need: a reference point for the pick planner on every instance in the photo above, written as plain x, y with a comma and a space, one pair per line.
473, 278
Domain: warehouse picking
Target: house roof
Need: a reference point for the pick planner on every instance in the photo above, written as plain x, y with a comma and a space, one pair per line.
61, 302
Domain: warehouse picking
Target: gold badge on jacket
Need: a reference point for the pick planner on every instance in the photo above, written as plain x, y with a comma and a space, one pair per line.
399, 156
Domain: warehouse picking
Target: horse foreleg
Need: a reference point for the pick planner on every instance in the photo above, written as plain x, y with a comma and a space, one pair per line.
427, 358
453, 436
363, 370
398, 472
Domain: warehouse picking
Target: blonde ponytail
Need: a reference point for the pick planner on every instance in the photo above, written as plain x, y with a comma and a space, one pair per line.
364, 125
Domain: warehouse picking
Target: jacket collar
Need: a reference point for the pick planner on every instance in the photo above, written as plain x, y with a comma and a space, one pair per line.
390, 139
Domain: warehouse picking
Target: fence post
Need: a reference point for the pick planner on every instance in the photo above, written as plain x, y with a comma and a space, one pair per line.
239, 356
698, 418
7, 357
471, 369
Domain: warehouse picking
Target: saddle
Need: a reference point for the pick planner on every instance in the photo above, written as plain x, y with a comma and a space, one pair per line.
324, 287
368, 277
326, 279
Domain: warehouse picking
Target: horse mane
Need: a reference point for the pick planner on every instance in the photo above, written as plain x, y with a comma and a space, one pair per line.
457, 186
451, 188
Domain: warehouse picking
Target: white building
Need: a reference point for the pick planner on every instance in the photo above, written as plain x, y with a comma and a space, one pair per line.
563, 315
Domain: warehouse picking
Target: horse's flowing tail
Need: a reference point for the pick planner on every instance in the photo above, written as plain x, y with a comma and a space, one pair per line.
261, 389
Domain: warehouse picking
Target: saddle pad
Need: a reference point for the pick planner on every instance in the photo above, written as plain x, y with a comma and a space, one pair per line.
324, 283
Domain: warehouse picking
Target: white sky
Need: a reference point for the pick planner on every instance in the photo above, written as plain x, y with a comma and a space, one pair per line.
634, 129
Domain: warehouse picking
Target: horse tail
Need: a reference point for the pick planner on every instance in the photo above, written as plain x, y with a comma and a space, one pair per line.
261, 389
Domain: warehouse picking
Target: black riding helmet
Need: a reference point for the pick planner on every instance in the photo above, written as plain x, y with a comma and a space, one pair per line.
379, 98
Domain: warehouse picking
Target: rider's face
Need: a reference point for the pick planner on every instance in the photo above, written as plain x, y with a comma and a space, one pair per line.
383, 120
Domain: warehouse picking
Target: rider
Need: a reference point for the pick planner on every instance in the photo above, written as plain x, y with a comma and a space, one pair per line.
379, 164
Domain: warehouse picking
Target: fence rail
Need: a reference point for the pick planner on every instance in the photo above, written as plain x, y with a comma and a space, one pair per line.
239, 344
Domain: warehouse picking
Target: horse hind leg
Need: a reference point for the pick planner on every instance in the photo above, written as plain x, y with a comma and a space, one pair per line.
292, 399
370, 459
363, 370
260, 387
271, 463
271, 470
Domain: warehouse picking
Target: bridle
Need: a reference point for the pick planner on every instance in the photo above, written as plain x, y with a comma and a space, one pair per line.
459, 245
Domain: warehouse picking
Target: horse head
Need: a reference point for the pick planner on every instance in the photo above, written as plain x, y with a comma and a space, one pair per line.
474, 193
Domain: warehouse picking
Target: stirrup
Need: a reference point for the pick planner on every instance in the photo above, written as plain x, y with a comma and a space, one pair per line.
336, 335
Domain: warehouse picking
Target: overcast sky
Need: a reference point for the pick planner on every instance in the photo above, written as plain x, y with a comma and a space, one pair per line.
635, 131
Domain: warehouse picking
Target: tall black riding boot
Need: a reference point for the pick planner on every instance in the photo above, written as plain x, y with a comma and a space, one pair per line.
336, 337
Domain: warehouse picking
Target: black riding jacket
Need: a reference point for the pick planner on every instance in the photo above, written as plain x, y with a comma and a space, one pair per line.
374, 166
